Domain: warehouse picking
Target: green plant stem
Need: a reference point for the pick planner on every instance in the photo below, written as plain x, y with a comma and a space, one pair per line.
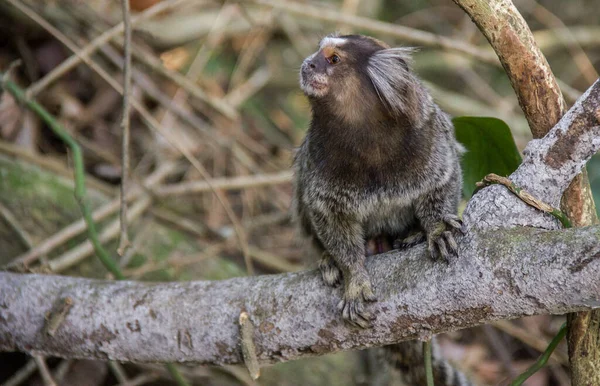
428, 364
177, 376
543, 359
79, 173
80, 190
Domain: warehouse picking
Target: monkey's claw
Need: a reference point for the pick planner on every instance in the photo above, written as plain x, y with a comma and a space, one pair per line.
352, 305
454, 222
332, 276
441, 242
412, 240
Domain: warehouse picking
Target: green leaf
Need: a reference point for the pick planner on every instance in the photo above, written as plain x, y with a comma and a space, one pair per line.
490, 149
593, 168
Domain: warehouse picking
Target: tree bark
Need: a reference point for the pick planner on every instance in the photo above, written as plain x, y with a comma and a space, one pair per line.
500, 274
541, 100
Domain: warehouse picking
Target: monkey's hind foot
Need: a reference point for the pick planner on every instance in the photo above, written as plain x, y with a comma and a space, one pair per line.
410, 241
358, 291
332, 275
440, 240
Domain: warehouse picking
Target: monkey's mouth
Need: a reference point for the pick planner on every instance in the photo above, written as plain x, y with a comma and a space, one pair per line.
313, 84
317, 85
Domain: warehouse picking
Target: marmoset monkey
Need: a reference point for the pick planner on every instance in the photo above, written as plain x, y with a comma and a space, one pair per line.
379, 160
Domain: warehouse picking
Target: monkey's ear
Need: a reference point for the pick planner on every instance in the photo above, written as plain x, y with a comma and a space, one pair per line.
398, 89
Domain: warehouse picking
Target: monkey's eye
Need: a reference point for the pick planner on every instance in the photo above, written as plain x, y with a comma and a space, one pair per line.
333, 59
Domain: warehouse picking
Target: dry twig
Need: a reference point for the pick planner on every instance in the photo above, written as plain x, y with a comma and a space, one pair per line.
125, 126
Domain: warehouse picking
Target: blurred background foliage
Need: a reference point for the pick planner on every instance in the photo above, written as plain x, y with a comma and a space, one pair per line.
220, 80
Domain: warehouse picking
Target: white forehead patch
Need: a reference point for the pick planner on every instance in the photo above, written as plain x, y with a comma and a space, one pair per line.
332, 41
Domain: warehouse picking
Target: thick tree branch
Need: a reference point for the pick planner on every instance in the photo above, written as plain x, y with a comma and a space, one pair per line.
499, 275
550, 164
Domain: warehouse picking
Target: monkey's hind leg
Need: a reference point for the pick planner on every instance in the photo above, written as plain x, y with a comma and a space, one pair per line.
357, 292
332, 275
342, 237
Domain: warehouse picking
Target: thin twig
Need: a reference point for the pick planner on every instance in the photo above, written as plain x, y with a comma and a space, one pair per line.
51, 164
56, 317
498, 347
79, 172
252, 85
215, 36
155, 125
253, 45
241, 235
62, 369
428, 364
409, 35
88, 50
141, 380
125, 123
12, 221
22, 374
227, 183
74, 229
248, 345
529, 339
43, 369
153, 91
118, 371
349, 7
180, 80
550, 20
525, 197
111, 231
272, 261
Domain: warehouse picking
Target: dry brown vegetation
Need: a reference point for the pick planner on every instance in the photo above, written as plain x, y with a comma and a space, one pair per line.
216, 113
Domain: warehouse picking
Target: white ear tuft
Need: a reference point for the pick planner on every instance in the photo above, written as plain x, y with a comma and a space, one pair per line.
398, 89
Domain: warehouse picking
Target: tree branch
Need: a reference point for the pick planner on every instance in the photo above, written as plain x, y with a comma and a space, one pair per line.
529, 73
499, 275
550, 164
543, 104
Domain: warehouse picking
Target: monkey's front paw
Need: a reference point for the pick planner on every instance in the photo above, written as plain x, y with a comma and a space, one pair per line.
332, 276
358, 291
440, 240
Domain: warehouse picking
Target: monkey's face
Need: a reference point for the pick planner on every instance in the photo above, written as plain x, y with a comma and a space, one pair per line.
339, 67
359, 77
319, 70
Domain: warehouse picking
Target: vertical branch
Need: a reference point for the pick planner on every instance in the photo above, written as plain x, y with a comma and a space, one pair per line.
509, 35
543, 105
123, 238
